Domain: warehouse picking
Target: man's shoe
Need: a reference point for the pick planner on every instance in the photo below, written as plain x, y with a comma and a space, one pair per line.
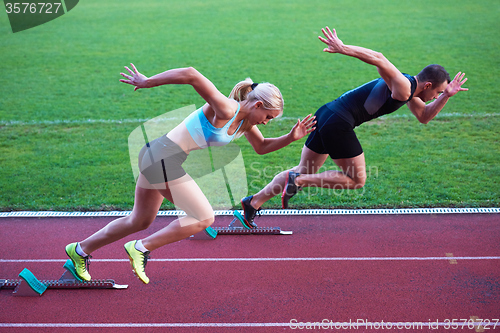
138, 260
290, 189
249, 212
81, 263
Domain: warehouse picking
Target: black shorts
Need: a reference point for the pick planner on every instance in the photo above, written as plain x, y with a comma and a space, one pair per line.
161, 160
333, 136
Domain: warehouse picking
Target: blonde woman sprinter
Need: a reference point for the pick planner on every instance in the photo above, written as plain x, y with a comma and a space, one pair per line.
216, 123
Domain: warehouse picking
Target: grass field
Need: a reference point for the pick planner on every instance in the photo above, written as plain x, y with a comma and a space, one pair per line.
65, 118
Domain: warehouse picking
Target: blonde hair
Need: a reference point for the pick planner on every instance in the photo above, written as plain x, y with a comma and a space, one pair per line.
267, 93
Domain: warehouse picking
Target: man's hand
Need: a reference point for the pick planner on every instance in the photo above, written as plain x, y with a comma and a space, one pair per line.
456, 85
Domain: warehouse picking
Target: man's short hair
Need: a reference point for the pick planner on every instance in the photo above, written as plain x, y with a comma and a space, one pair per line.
435, 74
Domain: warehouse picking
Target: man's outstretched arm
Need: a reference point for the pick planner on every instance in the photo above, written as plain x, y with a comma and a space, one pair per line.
397, 82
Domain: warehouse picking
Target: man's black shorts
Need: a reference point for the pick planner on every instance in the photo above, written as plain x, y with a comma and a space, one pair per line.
333, 136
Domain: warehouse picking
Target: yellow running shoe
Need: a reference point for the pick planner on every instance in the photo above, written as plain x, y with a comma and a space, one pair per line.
81, 263
138, 260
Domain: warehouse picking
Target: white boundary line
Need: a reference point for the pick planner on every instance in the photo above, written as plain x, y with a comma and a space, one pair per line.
132, 120
265, 259
403, 211
299, 325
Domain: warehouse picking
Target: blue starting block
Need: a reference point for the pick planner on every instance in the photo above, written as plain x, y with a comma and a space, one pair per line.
29, 285
238, 227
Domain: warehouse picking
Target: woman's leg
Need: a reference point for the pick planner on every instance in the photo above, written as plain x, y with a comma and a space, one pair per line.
183, 192
187, 196
146, 205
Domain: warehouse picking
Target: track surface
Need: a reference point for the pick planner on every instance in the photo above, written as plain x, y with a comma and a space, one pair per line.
370, 270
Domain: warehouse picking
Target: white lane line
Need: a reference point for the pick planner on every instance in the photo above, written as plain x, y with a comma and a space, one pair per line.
325, 324
265, 259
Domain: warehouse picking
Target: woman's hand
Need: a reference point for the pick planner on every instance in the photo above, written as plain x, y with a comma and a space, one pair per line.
136, 79
304, 127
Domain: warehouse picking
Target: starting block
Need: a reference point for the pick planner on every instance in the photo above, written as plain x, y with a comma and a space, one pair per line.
29, 285
238, 227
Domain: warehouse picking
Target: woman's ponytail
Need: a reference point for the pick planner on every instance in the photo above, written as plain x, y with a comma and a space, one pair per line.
267, 93
241, 90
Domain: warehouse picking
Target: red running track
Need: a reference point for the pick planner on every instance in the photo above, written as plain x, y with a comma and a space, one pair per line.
382, 272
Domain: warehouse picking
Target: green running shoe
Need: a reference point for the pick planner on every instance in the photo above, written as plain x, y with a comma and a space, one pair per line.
138, 260
81, 263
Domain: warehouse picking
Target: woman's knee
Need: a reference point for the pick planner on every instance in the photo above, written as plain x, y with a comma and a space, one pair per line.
203, 216
140, 222
207, 222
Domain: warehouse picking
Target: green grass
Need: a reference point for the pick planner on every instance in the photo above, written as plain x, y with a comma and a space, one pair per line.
57, 76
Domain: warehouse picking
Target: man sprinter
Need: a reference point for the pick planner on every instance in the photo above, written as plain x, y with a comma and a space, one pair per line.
334, 135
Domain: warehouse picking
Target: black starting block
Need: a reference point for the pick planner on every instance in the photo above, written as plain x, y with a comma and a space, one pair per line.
238, 227
29, 285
